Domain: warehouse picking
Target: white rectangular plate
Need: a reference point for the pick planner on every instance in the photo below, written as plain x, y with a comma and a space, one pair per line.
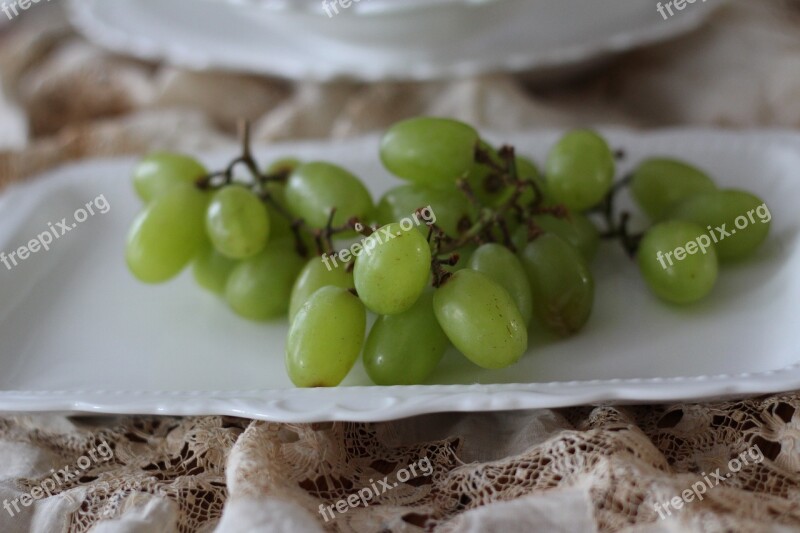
79, 334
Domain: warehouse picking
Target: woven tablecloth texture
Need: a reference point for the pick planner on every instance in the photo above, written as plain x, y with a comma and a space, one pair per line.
582, 469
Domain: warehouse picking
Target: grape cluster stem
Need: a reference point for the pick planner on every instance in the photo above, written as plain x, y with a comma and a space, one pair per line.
618, 226
444, 248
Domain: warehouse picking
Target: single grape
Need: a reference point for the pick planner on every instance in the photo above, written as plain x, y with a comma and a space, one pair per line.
314, 189
237, 222
211, 269
429, 151
158, 172
392, 269
167, 234
562, 286
325, 338
576, 229
259, 288
449, 207
580, 170
481, 320
405, 349
505, 269
314, 276
737, 222
659, 184
673, 263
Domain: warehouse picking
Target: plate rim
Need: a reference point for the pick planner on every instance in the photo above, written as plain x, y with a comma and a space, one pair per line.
81, 15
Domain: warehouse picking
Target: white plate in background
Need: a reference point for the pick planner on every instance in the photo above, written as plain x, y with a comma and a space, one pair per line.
78, 333
441, 40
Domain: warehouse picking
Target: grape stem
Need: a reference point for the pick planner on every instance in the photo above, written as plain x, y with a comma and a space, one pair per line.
490, 220
492, 224
323, 237
617, 227
246, 159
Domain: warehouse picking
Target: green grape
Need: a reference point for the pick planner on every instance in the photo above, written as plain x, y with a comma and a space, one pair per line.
580, 170
237, 222
158, 172
448, 207
392, 269
687, 277
314, 189
576, 229
405, 349
259, 288
211, 269
481, 320
737, 222
325, 338
285, 165
314, 276
503, 267
167, 234
562, 286
429, 151
658, 185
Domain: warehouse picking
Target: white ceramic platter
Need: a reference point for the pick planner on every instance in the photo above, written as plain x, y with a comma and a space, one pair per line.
427, 40
78, 333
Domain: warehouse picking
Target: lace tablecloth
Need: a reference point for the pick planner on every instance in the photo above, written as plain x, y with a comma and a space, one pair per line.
582, 469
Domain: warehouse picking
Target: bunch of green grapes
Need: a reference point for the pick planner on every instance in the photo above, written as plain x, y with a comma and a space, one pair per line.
507, 245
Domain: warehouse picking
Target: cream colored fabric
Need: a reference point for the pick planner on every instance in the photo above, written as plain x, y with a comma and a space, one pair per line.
581, 469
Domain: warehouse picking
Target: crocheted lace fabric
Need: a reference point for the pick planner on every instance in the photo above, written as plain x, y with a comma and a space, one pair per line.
582, 469
725, 466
